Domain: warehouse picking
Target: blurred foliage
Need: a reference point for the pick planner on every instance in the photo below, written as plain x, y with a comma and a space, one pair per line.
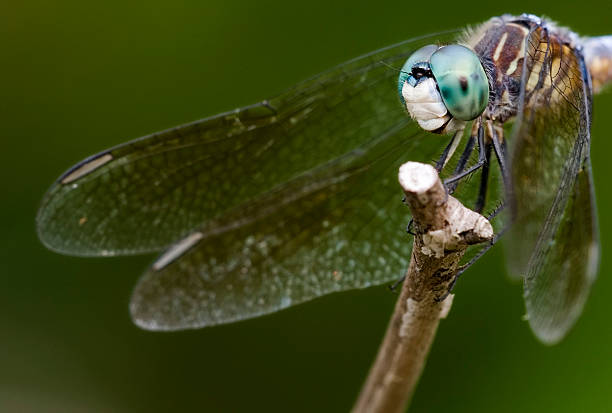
80, 76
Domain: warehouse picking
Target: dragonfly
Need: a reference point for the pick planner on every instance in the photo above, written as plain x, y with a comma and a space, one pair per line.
277, 203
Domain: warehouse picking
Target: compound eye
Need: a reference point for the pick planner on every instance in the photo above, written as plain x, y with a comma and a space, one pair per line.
422, 55
462, 81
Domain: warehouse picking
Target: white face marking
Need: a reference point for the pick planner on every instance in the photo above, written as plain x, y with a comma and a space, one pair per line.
500, 47
425, 105
87, 168
177, 250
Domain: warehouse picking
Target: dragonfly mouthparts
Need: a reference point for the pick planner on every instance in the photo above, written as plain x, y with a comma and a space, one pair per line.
419, 72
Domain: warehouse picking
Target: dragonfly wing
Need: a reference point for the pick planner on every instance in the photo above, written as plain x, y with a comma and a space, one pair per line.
144, 195
340, 226
551, 186
561, 272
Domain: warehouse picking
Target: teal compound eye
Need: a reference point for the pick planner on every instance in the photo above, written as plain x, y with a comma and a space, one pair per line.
462, 81
421, 55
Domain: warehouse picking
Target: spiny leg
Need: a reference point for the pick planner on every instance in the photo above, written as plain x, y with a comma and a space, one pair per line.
484, 180
481, 161
499, 147
449, 150
484, 156
459, 173
480, 253
475, 258
447, 153
499, 144
499, 208
463, 159
451, 183
500, 154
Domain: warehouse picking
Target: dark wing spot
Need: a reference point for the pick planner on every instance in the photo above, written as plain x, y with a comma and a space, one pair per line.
463, 82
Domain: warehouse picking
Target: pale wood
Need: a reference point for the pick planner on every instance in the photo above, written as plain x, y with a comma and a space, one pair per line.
444, 229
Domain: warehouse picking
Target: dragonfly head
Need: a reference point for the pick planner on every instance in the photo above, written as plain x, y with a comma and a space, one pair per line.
439, 84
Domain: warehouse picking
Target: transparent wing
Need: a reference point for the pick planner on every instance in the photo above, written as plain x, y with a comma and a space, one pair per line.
562, 271
339, 227
549, 191
146, 194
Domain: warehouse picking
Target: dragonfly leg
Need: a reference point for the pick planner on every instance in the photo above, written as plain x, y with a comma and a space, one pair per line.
499, 145
449, 150
396, 284
496, 211
484, 180
463, 159
446, 155
480, 253
409, 227
481, 161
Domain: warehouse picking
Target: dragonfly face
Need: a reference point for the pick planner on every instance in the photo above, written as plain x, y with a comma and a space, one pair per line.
440, 84
240, 237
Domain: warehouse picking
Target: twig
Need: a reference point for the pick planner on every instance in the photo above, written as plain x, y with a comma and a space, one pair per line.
444, 230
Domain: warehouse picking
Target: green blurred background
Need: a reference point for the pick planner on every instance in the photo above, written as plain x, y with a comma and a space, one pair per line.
78, 77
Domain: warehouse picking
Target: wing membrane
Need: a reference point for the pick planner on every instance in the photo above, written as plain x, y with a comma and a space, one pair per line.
146, 194
549, 191
562, 271
337, 228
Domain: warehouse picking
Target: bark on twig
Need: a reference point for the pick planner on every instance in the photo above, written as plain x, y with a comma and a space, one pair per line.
444, 229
